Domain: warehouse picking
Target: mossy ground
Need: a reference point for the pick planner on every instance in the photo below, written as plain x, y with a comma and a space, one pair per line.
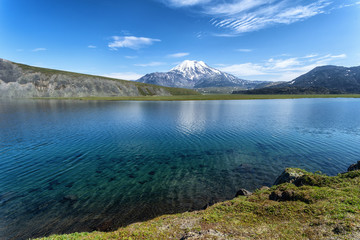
322, 207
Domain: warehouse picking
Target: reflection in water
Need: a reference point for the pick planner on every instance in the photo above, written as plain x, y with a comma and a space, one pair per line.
192, 117
70, 166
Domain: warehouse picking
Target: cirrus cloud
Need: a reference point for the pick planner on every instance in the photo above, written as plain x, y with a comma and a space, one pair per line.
241, 16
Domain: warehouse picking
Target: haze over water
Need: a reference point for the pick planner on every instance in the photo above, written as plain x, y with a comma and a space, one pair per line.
69, 166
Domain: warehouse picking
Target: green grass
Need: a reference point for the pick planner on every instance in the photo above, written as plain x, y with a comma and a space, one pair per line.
322, 207
180, 96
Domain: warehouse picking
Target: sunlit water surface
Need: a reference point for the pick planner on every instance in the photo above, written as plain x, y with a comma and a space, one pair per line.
69, 166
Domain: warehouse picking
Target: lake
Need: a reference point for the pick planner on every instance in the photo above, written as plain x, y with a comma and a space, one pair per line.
69, 166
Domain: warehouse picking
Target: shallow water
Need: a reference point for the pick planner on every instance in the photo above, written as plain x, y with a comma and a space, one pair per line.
69, 166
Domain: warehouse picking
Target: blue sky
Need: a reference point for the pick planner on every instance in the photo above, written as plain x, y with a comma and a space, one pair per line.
252, 39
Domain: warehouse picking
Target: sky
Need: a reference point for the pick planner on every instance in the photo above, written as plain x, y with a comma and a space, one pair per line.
274, 40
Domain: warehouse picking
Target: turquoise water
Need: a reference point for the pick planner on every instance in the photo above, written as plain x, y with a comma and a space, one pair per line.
69, 166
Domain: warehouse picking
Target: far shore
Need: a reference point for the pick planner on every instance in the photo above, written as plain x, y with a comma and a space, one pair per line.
208, 97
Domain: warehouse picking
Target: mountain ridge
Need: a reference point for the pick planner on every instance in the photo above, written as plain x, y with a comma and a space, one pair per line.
25, 81
327, 79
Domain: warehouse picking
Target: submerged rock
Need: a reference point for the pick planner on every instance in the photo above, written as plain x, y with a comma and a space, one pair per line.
243, 192
289, 176
69, 198
355, 166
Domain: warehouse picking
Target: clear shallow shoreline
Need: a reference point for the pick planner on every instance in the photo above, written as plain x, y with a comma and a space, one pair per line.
302, 205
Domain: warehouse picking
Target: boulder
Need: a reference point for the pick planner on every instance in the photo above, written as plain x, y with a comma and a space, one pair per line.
289, 195
355, 166
243, 192
289, 176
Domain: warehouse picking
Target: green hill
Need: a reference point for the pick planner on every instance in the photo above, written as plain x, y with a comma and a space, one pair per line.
24, 81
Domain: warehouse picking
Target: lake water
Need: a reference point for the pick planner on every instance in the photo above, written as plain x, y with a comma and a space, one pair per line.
69, 166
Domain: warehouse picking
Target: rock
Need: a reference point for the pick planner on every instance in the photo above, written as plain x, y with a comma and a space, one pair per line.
355, 166
264, 188
288, 176
243, 192
209, 204
283, 196
341, 229
204, 234
69, 198
288, 195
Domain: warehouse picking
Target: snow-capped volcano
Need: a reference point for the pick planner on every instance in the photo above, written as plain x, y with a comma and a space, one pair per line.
196, 74
194, 69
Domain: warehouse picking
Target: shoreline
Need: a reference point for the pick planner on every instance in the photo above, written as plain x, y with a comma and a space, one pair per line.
299, 205
204, 97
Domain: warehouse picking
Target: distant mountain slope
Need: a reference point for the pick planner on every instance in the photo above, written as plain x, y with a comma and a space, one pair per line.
23, 81
196, 74
323, 80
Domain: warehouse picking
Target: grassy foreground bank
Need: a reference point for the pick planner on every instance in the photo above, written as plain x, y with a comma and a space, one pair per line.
317, 207
210, 97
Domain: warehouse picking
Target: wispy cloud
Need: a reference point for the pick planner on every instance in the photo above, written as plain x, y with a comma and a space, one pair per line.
178, 55
38, 49
261, 14
151, 64
131, 42
91, 46
281, 69
185, 3
244, 50
124, 75
240, 16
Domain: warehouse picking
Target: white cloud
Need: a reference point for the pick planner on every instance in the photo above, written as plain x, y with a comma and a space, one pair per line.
234, 7
339, 56
184, 3
124, 75
38, 49
262, 14
151, 64
131, 42
311, 55
244, 50
178, 55
240, 16
278, 64
280, 69
91, 46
